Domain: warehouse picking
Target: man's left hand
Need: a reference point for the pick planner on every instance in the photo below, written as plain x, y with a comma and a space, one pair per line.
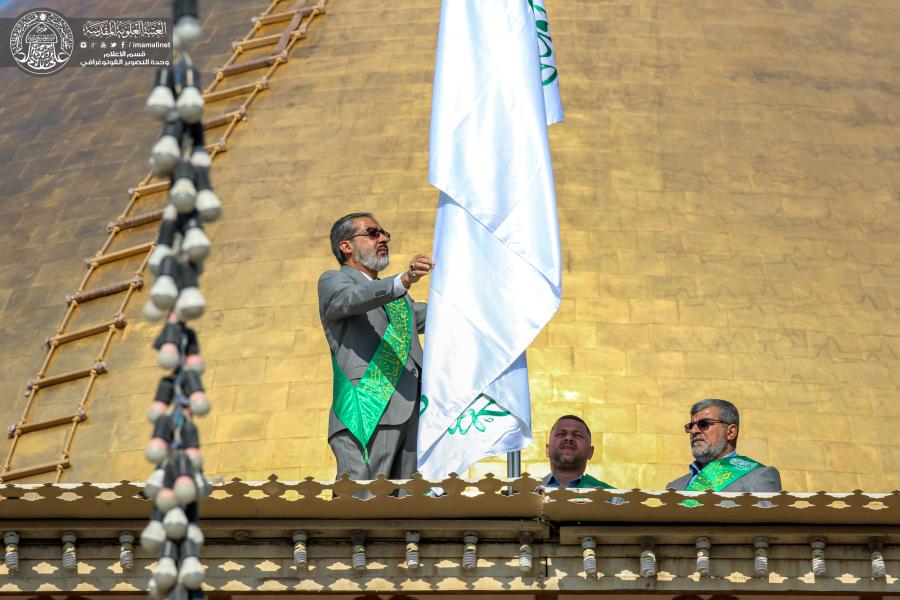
420, 266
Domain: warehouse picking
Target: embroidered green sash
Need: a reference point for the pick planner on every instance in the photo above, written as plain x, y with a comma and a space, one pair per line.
360, 407
719, 474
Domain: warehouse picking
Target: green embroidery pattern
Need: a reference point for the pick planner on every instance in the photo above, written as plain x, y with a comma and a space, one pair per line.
360, 407
471, 418
545, 42
719, 474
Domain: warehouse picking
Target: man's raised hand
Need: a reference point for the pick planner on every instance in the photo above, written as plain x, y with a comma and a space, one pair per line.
419, 266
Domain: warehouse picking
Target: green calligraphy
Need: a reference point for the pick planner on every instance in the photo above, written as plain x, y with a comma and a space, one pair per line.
545, 42
471, 418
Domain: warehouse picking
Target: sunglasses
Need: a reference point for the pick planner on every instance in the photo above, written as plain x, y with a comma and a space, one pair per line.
703, 424
372, 233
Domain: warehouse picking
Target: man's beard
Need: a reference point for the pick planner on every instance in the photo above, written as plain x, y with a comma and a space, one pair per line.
557, 459
708, 453
370, 260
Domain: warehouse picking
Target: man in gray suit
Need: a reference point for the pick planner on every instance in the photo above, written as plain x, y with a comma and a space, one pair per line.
372, 328
713, 431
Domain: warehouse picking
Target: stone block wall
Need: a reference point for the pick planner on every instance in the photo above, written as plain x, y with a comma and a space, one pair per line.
727, 180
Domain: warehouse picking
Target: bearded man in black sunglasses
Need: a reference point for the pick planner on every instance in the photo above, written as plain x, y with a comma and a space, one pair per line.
372, 328
713, 431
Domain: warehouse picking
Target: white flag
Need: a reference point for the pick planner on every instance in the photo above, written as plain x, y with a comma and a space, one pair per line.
497, 279
549, 75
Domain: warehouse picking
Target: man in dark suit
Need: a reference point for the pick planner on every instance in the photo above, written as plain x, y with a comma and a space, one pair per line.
372, 328
713, 430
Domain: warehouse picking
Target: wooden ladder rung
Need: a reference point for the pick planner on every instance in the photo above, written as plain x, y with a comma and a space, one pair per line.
290, 14
119, 254
265, 40
262, 84
135, 221
225, 119
118, 322
44, 382
136, 282
35, 470
150, 188
49, 423
249, 65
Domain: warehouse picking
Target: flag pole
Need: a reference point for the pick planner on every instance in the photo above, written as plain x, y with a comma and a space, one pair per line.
513, 468
514, 463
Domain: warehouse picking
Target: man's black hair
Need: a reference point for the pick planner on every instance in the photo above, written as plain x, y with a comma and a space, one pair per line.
573, 418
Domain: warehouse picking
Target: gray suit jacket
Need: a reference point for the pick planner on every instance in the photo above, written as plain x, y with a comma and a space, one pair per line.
350, 307
765, 479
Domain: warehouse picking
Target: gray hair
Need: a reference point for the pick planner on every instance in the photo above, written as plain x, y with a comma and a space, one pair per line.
728, 412
342, 230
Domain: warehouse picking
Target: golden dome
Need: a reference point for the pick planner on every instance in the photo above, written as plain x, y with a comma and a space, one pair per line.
727, 180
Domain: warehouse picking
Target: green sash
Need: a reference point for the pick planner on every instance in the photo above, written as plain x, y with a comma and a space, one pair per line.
719, 474
584, 482
360, 407
588, 481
